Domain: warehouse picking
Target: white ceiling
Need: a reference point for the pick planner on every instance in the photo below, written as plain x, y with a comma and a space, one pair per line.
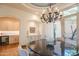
28, 7
42, 4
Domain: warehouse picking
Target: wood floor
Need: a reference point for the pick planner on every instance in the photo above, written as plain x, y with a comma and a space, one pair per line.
38, 46
9, 50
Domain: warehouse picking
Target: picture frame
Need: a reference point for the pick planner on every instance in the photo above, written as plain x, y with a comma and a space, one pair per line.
32, 29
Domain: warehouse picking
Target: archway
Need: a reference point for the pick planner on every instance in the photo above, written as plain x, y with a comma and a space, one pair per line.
9, 35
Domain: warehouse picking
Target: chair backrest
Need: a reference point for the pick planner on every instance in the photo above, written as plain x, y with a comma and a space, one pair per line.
22, 52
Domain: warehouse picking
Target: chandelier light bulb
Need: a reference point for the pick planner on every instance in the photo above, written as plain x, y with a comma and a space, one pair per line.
43, 11
61, 13
56, 9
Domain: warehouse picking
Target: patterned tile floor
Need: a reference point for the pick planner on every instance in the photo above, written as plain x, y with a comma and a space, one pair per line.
9, 50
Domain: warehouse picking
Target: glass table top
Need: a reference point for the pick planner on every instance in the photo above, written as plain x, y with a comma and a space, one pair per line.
70, 52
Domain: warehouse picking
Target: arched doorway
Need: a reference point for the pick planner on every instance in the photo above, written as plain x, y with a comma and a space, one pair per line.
9, 35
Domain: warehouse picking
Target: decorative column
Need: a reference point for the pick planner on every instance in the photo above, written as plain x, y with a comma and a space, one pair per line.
62, 37
23, 32
77, 31
54, 33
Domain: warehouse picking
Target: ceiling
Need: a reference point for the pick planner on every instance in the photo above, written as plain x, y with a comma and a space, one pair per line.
35, 8
42, 4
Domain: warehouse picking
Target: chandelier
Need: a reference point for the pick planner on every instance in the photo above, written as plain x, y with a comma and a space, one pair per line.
51, 14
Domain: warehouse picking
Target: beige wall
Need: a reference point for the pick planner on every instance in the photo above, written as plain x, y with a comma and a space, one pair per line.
36, 25
9, 24
23, 18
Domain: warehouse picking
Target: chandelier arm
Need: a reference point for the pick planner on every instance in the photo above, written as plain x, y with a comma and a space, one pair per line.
42, 21
53, 18
47, 21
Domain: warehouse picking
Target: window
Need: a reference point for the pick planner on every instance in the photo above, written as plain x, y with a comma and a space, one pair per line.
58, 29
70, 25
70, 36
70, 11
49, 30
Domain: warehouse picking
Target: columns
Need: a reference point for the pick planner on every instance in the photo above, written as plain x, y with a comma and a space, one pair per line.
62, 37
77, 32
23, 40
